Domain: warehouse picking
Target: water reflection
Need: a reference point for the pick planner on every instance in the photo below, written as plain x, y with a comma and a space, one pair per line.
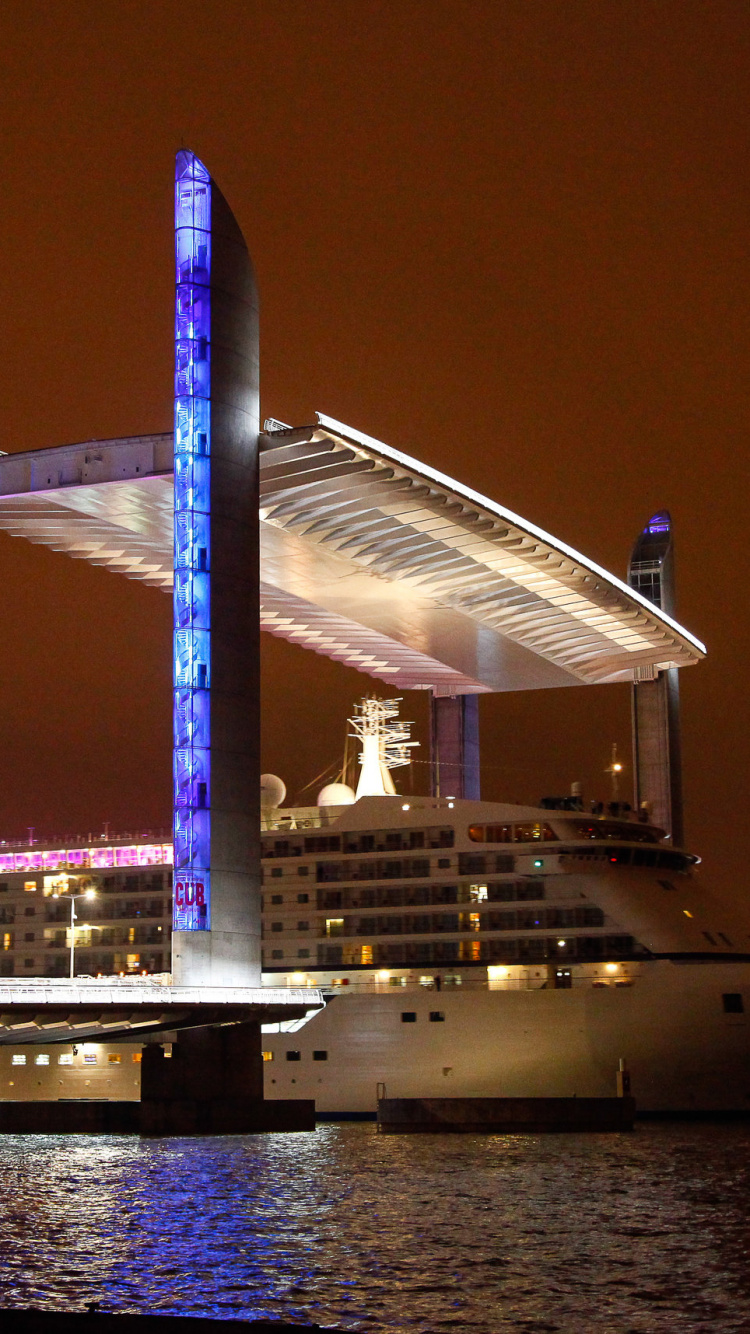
640, 1233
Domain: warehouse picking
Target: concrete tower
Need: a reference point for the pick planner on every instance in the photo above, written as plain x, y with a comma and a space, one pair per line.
216, 920
454, 746
657, 757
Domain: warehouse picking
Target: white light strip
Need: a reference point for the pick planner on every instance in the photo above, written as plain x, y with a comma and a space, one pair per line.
476, 498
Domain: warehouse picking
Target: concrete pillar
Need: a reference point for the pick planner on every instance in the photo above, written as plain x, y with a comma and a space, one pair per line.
216, 918
454, 746
657, 753
657, 761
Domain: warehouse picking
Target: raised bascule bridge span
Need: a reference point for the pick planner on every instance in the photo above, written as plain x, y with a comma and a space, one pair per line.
373, 559
369, 557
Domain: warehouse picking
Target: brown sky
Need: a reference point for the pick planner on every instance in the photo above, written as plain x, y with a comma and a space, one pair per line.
508, 237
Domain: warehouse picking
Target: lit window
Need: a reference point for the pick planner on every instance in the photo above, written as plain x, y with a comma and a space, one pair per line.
366, 954
89, 1058
114, 1058
334, 926
7, 941
41, 1059
18, 1060
477, 893
267, 1055
137, 1057
65, 1059
475, 921
29, 886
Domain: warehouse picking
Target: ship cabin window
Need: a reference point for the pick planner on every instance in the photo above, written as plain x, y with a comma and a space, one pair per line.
267, 1055
323, 843
303, 898
41, 1059
530, 889
437, 1017
626, 831
733, 1003
408, 1017
293, 1056
320, 1055
18, 1060
532, 832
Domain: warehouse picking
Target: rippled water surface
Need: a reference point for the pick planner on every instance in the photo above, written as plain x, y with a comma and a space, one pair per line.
644, 1232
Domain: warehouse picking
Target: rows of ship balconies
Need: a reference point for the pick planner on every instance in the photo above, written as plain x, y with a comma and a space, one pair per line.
107, 935
126, 961
483, 918
355, 842
56, 911
411, 895
518, 949
377, 867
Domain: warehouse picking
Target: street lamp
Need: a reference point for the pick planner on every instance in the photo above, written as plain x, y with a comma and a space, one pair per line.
87, 894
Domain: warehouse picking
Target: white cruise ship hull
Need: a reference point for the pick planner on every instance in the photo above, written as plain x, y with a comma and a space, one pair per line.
685, 1051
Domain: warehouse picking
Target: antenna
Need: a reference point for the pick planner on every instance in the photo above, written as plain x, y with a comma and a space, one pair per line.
385, 744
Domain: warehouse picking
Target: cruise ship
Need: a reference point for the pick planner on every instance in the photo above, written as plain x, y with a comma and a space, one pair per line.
465, 948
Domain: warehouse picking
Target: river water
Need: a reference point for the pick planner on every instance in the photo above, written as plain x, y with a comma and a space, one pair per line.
629, 1233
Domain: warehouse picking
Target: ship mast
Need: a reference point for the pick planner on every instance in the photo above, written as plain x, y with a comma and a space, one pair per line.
385, 744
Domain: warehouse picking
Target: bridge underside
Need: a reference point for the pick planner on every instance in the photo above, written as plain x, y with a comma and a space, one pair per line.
367, 557
73, 1012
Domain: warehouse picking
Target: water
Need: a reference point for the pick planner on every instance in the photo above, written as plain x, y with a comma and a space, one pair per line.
633, 1234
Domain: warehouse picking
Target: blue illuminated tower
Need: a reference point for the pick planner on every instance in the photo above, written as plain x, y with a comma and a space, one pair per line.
216, 921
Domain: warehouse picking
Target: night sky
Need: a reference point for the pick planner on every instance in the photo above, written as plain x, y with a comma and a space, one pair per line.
509, 238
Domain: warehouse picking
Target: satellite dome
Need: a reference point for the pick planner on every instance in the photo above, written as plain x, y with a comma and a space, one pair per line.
336, 794
272, 791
